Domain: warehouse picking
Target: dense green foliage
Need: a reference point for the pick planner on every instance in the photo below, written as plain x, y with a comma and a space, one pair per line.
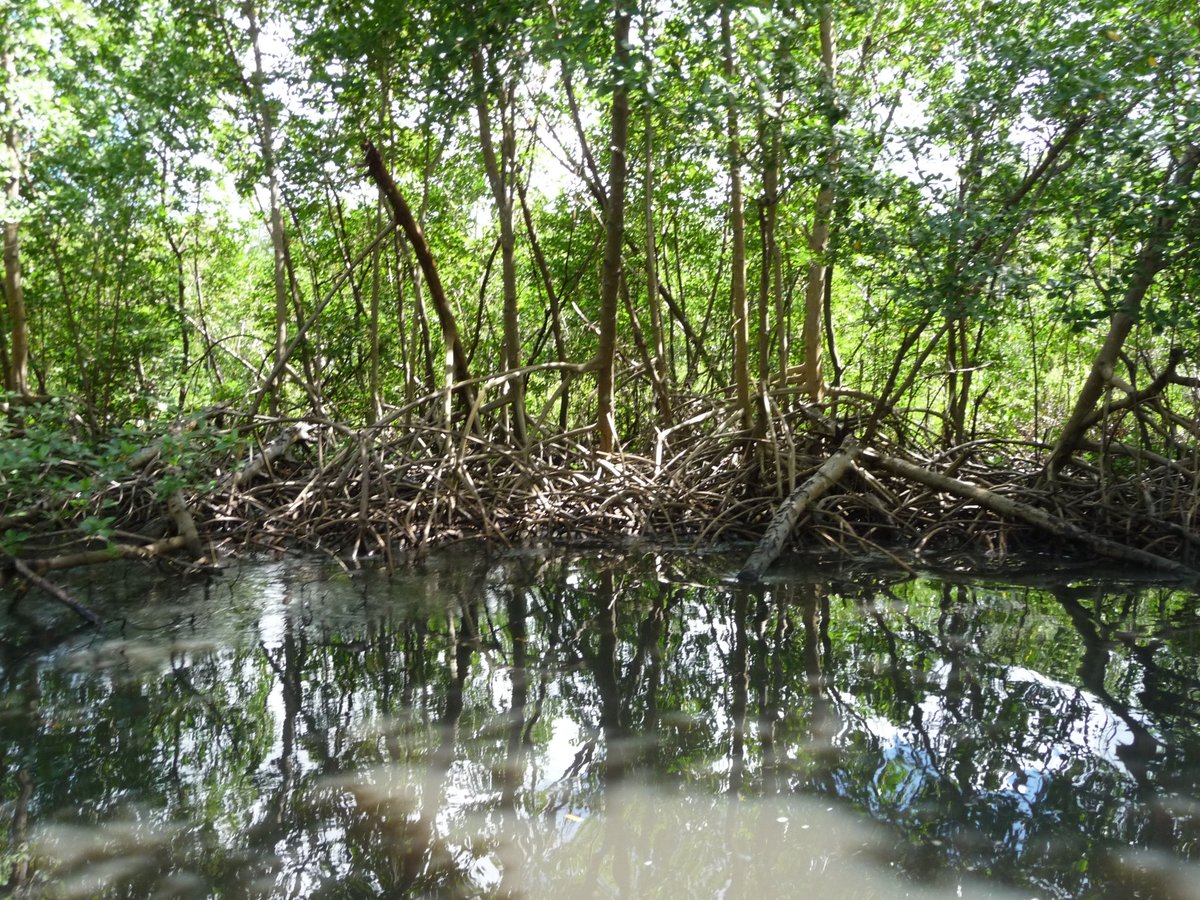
992, 171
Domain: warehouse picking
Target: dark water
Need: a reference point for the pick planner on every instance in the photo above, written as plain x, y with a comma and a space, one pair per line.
547, 725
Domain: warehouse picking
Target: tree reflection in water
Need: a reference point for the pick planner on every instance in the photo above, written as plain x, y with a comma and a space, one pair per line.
633, 724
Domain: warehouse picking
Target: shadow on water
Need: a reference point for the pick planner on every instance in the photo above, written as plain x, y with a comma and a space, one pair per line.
549, 725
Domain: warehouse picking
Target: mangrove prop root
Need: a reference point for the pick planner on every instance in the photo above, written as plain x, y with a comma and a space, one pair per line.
185, 524
414, 480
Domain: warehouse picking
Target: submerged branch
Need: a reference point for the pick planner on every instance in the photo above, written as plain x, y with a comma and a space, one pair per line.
54, 591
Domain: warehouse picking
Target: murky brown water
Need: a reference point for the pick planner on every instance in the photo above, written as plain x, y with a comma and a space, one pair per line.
620, 724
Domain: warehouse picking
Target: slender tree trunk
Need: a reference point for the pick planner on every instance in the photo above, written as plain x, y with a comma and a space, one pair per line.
16, 372
957, 294
266, 139
771, 190
962, 357
814, 295
402, 326
4, 363
500, 174
640, 344
422, 344
457, 362
783, 300
737, 221
181, 314
766, 216
955, 324
588, 170
662, 391
374, 404
771, 283
407, 336
210, 354
1151, 259
614, 227
835, 362
556, 325
378, 264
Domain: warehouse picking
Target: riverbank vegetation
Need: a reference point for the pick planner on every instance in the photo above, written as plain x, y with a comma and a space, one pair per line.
371, 277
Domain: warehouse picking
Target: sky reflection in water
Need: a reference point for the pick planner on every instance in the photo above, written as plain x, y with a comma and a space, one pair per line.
548, 725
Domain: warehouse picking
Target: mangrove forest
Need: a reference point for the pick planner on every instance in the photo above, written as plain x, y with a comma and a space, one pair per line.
365, 278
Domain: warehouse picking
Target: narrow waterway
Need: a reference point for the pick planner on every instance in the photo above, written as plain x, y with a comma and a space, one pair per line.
548, 724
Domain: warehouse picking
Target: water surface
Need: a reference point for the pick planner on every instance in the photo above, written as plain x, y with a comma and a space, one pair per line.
544, 724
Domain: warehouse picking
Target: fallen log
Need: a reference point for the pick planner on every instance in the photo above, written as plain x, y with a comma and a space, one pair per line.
108, 554
299, 432
790, 511
1031, 515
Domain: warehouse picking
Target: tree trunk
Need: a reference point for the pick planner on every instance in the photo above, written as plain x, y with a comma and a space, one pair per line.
814, 295
662, 392
961, 296
210, 346
958, 379
771, 294
422, 345
404, 332
266, 139
614, 227
770, 288
737, 221
4, 364
379, 264
556, 324
16, 372
767, 214
1151, 259
454, 347
500, 174
374, 403
181, 313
